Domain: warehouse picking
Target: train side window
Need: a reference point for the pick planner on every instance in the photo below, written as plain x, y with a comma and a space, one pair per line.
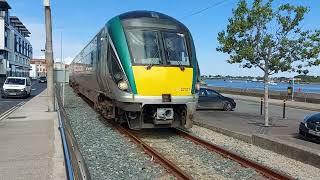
113, 66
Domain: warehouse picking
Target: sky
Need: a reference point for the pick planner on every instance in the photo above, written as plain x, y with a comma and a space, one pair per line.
77, 21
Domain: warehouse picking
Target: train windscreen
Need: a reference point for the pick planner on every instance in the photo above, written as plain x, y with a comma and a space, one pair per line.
146, 48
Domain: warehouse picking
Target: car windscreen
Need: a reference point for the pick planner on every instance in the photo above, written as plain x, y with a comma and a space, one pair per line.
15, 81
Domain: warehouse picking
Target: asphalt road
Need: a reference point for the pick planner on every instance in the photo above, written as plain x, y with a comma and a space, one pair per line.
246, 119
6, 104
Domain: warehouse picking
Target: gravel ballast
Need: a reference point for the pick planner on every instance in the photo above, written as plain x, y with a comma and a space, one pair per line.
268, 158
107, 154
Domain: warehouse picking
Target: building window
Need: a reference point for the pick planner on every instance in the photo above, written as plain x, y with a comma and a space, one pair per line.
4, 54
6, 38
19, 50
23, 46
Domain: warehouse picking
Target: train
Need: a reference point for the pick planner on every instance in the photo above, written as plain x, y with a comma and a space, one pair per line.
140, 69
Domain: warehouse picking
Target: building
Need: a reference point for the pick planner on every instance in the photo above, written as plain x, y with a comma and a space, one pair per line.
15, 49
38, 68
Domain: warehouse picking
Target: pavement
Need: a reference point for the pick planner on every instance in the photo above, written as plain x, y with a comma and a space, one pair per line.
8, 103
30, 143
246, 121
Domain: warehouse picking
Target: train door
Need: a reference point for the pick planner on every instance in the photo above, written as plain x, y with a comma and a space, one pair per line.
102, 60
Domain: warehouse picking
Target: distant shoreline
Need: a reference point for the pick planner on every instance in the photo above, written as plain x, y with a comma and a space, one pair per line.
299, 82
301, 97
242, 85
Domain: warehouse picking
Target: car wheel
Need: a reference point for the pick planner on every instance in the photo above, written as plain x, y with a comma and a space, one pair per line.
25, 95
227, 106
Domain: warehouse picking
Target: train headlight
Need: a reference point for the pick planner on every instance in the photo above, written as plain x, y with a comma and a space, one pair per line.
123, 85
198, 86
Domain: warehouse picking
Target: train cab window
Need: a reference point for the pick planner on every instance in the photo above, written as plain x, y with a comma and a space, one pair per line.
144, 46
176, 48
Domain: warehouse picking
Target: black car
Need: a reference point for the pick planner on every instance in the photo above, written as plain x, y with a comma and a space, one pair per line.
43, 79
211, 99
310, 127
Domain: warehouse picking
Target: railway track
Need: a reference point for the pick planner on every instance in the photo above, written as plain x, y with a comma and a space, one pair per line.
181, 174
175, 169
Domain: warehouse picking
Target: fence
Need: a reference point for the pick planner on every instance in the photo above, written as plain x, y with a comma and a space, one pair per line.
75, 164
298, 96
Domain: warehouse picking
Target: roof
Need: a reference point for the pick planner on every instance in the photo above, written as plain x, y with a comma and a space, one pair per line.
38, 61
4, 5
15, 22
17, 77
142, 14
149, 14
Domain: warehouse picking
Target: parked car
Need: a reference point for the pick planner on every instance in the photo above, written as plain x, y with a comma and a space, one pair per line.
16, 87
310, 127
211, 99
43, 79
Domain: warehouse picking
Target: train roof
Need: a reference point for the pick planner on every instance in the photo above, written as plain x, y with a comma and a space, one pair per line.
149, 14
144, 14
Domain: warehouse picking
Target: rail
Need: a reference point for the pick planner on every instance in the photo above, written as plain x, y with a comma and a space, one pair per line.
167, 164
164, 162
267, 172
75, 164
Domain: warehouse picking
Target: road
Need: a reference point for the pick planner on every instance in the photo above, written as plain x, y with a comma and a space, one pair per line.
8, 103
246, 119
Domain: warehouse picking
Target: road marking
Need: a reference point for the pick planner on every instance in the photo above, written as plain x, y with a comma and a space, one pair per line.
11, 110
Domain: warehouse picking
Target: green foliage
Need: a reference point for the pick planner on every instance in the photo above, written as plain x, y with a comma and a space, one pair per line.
310, 79
270, 39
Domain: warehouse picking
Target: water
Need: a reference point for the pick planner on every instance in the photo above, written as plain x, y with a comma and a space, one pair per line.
238, 84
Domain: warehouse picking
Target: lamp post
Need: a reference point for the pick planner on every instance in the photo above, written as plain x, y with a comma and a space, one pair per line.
63, 68
49, 54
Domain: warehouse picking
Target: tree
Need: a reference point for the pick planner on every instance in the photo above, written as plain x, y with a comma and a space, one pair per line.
271, 39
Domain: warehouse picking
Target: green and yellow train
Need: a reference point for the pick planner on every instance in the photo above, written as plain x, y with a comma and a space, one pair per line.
141, 69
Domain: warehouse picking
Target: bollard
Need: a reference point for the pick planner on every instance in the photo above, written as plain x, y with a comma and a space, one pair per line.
284, 109
261, 106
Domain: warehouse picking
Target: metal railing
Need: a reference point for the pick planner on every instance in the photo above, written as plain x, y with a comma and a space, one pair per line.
75, 165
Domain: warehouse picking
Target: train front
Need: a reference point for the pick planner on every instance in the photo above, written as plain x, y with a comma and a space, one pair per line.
157, 55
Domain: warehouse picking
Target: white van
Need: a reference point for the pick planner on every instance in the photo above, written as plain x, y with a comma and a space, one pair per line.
17, 87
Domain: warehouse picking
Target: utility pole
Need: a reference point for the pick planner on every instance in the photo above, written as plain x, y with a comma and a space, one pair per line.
49, 54
64, 70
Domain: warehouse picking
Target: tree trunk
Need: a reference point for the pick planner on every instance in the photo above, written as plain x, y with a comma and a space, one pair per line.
266, 99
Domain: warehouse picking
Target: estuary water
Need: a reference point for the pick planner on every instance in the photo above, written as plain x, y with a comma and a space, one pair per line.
239, 84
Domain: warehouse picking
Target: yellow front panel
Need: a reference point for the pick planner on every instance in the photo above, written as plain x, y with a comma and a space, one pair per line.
163, 80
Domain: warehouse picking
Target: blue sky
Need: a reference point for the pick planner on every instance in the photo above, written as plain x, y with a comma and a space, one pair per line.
80, 20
